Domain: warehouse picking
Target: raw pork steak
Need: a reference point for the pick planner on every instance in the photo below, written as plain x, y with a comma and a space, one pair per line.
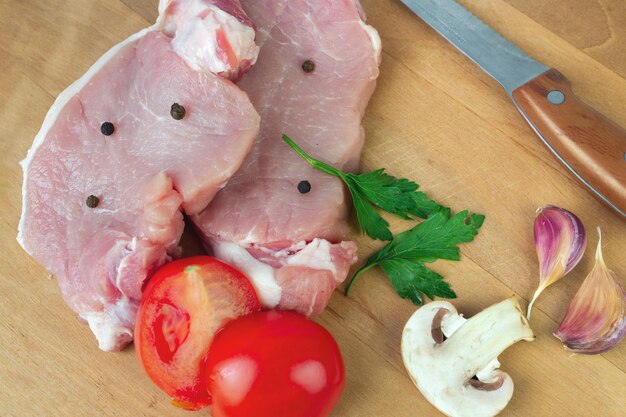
315, 74
102, 202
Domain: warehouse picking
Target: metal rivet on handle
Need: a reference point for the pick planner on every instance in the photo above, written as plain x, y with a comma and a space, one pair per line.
556, 97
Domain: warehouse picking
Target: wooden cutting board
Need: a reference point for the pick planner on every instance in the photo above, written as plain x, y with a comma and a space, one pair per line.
434, 118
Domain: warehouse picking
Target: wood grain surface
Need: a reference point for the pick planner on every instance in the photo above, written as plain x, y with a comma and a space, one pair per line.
435, 118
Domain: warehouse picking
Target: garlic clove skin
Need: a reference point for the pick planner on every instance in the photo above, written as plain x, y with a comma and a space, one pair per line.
595, 320
560, 241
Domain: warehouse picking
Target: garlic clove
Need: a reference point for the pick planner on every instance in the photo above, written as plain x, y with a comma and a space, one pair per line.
560, 242
595, 320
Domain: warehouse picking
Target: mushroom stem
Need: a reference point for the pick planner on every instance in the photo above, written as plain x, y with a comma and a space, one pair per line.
483, 338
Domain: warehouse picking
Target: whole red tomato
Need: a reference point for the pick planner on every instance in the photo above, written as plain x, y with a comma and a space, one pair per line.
274, 364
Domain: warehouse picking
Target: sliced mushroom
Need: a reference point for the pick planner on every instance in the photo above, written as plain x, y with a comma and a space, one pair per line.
453, 361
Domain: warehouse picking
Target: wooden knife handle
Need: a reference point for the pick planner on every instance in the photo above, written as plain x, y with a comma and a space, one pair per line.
590, 145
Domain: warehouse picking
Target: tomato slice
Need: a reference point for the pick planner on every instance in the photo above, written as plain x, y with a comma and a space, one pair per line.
184, 304
271, 364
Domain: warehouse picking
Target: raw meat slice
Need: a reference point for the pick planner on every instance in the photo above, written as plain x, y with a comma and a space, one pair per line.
288, 242
142, 175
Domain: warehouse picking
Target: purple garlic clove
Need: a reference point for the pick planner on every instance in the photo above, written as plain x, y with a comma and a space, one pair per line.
595, 320
560, 242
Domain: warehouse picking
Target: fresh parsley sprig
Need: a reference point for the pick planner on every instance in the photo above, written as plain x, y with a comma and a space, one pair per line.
376, 188
404, 257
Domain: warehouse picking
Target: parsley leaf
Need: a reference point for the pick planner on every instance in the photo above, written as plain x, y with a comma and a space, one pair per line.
403, 258
377, 188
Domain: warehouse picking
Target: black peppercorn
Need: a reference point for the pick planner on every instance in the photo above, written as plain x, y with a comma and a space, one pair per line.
308, 66
107, 128
304, 187
93, 201
177, 111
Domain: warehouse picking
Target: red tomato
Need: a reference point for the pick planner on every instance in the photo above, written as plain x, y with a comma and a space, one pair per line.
274, 364
182, 307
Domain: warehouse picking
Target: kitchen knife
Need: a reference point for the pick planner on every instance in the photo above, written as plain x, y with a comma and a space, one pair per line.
591, 146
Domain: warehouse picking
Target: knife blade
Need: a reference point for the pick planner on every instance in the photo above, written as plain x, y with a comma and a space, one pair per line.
590, 145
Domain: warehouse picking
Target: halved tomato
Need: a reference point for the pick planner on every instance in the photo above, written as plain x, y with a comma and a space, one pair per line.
184, 304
